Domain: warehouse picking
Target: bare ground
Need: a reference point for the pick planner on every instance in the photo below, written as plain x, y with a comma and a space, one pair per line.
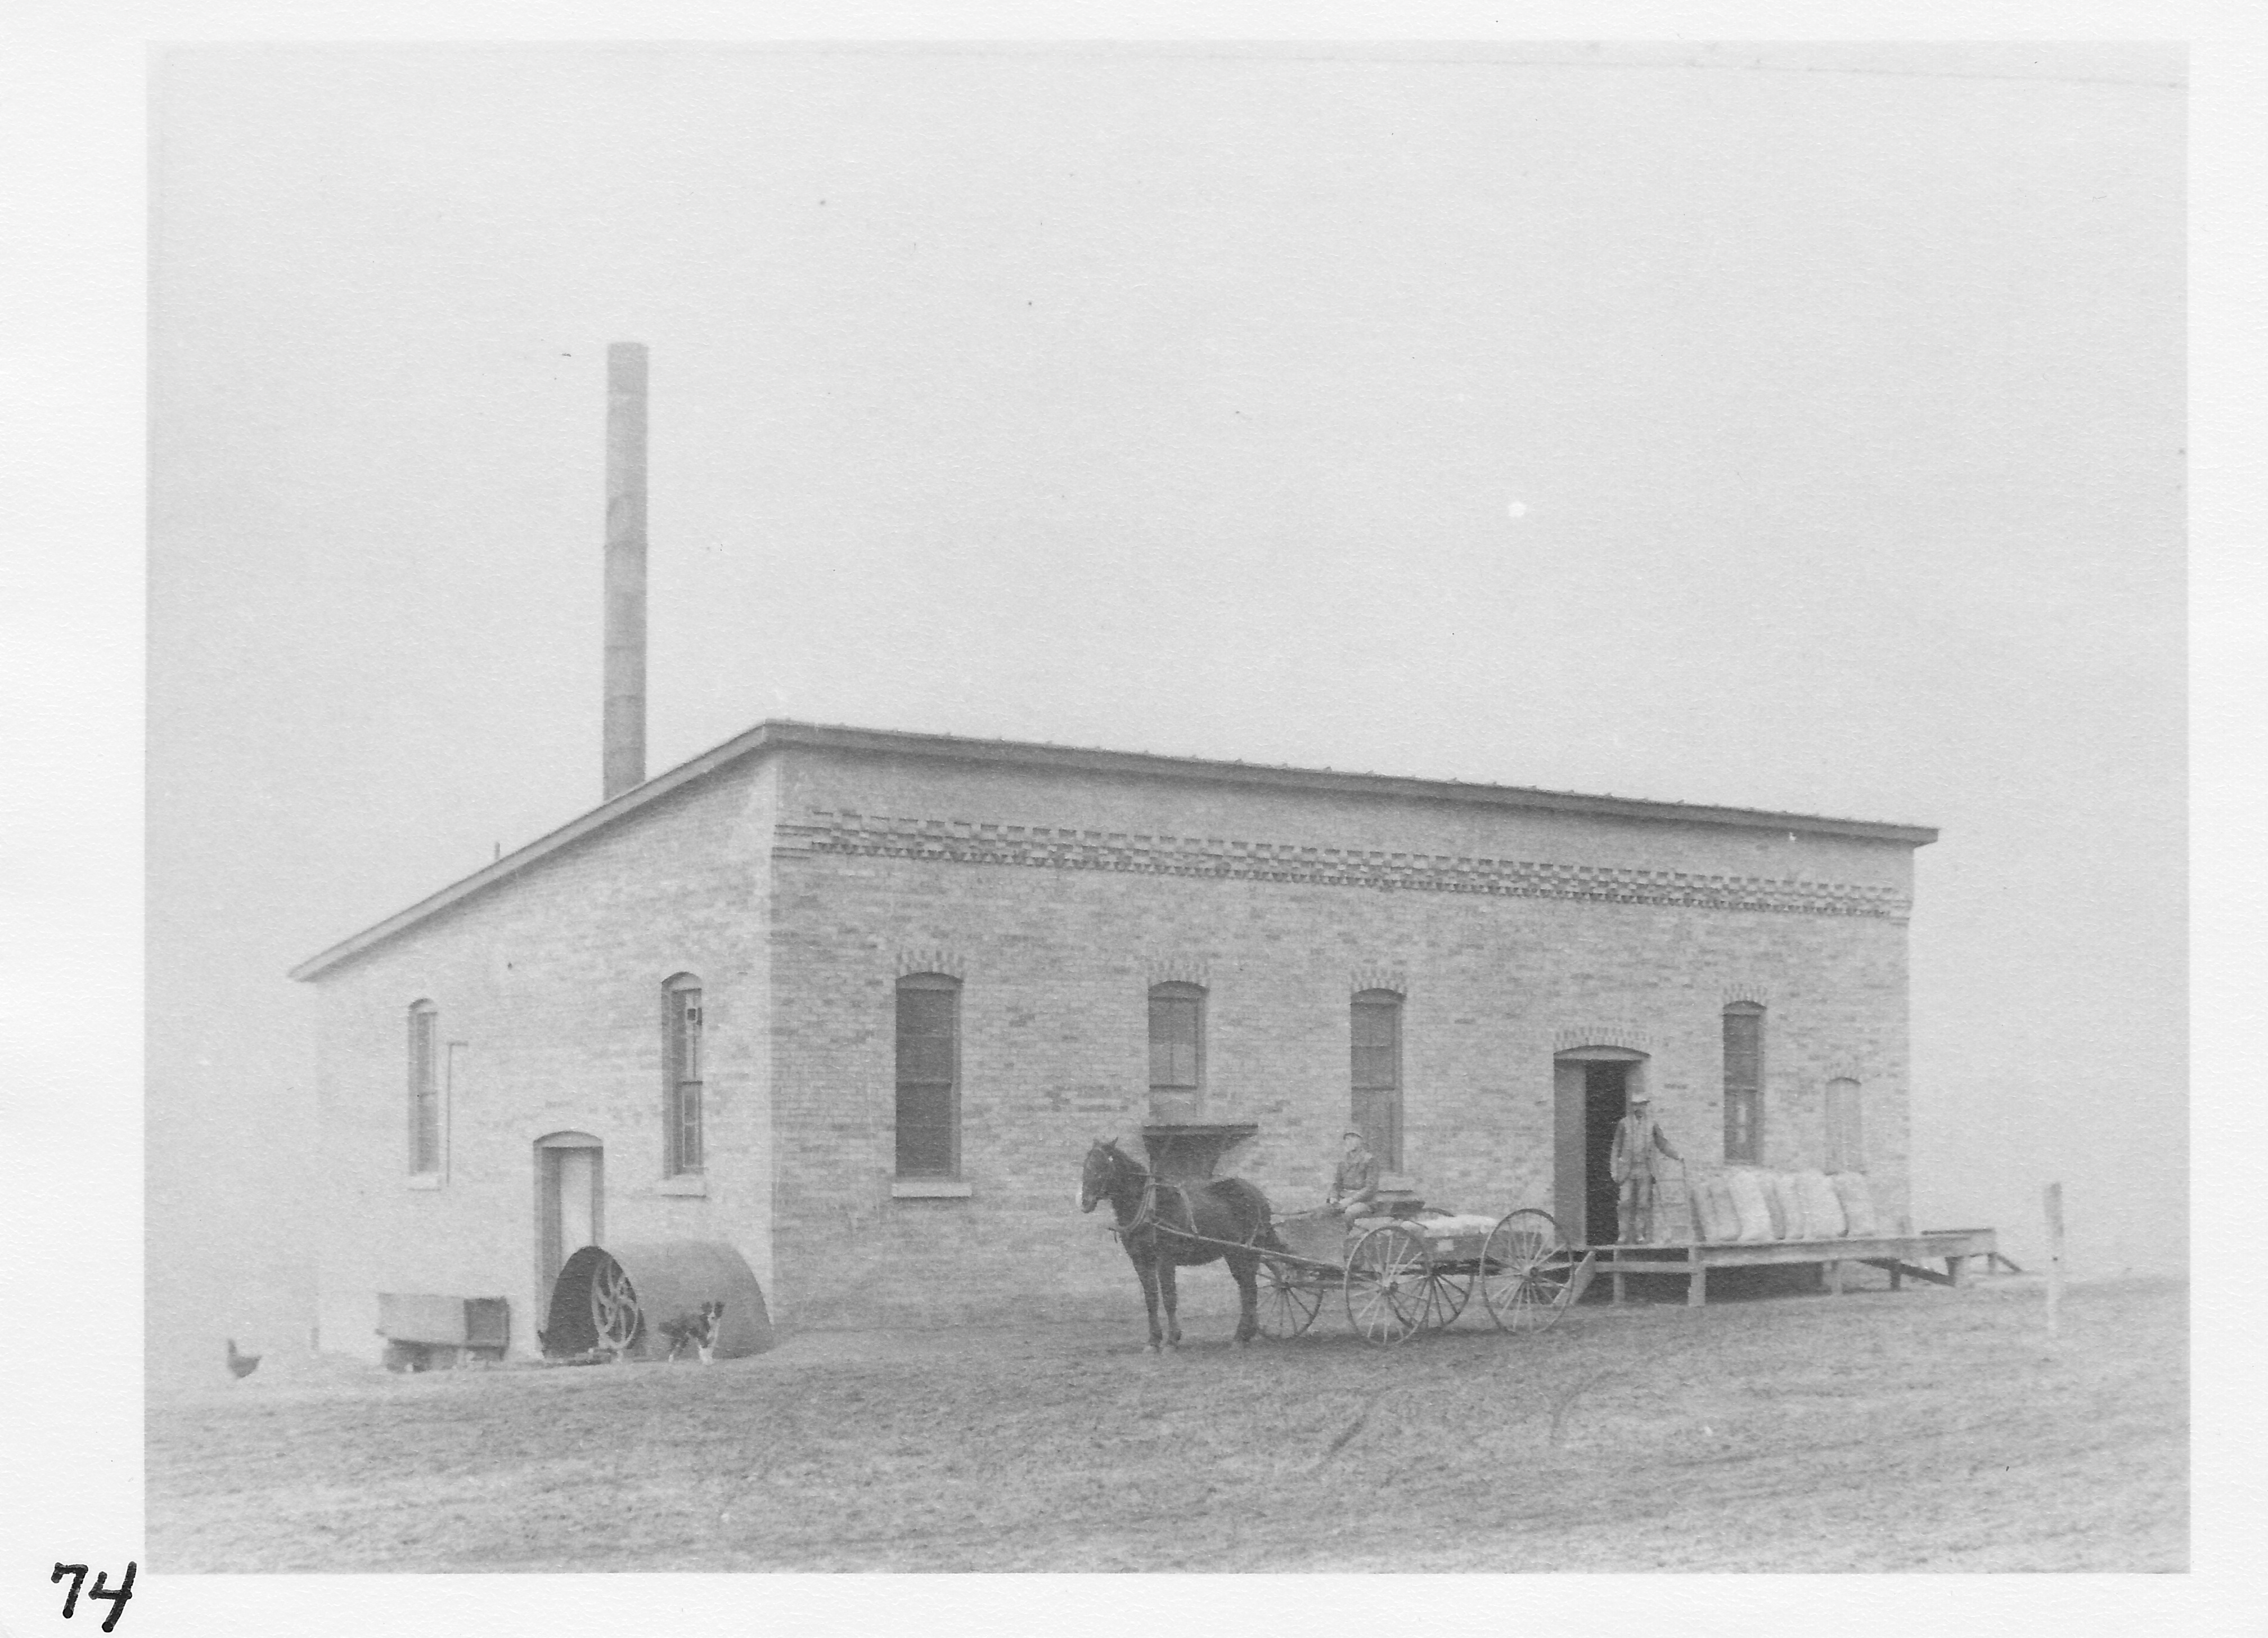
1923, 1429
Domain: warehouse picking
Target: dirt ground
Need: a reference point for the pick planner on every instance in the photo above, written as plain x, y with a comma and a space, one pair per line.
1923, 1429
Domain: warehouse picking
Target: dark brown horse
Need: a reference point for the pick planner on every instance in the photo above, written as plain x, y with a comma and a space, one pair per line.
1164, 1226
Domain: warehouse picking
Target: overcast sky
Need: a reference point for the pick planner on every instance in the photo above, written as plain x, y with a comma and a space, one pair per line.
1795, 429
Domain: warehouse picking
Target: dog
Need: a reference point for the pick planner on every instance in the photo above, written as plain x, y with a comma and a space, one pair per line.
696, 1332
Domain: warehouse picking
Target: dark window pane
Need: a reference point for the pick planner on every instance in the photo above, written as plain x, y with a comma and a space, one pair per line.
1174, 1018
424, 1100
1743, 1048
928, 1020
925, 1012
1173, 1063
1376, 1023
924, 1057
688, 1035
925, 1129
1175, 1023
687, 1157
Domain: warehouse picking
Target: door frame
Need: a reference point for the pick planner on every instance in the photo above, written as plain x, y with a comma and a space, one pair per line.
547, 1150
1570, 1133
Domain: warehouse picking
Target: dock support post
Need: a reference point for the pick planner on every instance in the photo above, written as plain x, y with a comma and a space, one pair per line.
1696, 1286
1835, 1278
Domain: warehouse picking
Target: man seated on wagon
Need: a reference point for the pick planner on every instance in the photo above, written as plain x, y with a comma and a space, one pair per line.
1354, 1185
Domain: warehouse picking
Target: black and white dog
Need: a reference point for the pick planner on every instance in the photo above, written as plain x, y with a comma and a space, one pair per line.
697, 1331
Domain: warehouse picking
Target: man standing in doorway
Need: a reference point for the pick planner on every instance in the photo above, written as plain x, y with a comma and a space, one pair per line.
1636, 1139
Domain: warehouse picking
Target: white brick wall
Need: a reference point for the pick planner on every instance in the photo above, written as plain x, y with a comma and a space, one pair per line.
552, 978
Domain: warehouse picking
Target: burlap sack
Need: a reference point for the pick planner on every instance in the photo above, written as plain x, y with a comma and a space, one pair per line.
1748, 1202
1823, 1212
1857, 1200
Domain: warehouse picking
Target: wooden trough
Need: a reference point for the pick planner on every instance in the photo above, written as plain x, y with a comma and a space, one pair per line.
634, 1290
428, 1332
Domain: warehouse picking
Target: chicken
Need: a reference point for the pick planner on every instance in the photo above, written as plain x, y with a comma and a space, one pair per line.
240, 1365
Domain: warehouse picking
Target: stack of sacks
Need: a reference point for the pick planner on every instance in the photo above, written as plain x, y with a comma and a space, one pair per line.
1789, 1199
1747, 1206
1858, 1202
1714, 1220
1751, 1206
1822, 1210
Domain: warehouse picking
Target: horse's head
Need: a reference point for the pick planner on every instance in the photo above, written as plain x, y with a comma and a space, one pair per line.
1099, 1174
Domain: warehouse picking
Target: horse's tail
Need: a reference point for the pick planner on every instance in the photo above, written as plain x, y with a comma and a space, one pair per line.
1257, 1218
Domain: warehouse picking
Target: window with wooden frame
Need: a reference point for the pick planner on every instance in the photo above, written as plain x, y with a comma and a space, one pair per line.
424, 1089
682, 1052
929, 1076
1375, 1032
1846, 1143
1176, 1051
1744, 1084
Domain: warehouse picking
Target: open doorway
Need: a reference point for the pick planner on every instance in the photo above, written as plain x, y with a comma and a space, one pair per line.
570, 1192
1591, 1087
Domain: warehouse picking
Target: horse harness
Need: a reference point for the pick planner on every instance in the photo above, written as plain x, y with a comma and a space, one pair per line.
1146, 1214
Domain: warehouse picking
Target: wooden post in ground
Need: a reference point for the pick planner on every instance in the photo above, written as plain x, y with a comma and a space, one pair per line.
2054, 1203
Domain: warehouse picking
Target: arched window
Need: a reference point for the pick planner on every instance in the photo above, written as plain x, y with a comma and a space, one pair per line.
1846, 1144
682, 1053
424, 1089
929, 1075
1744, 1084
1176, 1052
1375, 1032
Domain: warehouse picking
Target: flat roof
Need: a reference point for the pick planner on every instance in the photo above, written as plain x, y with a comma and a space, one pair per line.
779, 734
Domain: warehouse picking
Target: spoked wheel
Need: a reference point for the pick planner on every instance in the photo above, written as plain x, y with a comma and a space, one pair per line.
1446, 1296
1388, 1275
1525, 1270
613, 1306
1289, 1299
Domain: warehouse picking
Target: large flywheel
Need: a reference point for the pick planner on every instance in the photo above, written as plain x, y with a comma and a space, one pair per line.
613, 1306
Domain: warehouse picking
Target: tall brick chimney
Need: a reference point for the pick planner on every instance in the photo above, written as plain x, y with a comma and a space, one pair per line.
624, 736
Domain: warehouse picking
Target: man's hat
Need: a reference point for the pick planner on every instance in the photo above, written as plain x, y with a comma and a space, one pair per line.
1356, 1136
1641, 1096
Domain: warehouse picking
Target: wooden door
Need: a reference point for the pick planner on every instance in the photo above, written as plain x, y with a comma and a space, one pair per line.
1571, 1176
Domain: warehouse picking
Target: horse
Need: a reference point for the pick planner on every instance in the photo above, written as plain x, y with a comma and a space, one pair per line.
1164, 1226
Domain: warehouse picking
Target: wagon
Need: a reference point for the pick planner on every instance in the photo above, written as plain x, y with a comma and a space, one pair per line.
1400, 1275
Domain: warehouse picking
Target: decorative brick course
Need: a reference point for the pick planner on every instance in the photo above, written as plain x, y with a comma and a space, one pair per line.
977, 842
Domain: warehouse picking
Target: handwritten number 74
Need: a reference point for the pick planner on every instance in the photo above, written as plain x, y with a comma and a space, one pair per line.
117, 1596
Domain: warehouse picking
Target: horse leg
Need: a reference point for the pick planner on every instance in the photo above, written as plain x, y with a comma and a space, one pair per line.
1148, 1273
1245, 1270
1173, 1298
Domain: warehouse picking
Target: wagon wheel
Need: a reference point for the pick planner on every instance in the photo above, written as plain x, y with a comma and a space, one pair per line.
1525, 1271
1289, 1299
1445, 1296
1388, 1275
613, 1306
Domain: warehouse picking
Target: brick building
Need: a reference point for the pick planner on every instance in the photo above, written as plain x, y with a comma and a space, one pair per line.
854, 1002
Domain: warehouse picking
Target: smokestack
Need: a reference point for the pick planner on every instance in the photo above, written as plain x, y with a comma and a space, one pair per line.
624, 744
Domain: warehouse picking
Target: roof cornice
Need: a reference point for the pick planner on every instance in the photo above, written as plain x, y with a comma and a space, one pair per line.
779, 734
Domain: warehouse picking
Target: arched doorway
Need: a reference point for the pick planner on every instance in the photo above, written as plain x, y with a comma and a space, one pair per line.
570, 1204
1591, 1089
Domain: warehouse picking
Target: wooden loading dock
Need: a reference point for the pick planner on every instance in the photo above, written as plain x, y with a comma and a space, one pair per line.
1901, 1255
